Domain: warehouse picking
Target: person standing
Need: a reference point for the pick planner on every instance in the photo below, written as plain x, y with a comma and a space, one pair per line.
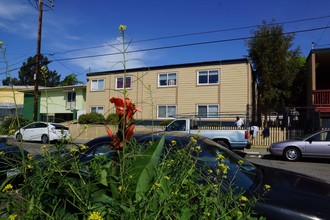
254, 131
239, 122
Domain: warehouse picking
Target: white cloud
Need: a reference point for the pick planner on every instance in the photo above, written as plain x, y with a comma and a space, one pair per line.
11, 10
109, 61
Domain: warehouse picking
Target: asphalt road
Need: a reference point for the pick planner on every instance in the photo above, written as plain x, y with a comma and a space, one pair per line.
319, 168
315, 167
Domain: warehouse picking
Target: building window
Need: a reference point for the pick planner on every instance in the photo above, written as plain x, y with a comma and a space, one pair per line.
208, 77
97, 85
120, 82
71, 100
208, 111
167, 79
166, 111
98, 109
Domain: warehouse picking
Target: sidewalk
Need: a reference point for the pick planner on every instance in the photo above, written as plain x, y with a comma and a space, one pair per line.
256, 151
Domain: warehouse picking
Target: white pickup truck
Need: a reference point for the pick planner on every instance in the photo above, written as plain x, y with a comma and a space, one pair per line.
232, 139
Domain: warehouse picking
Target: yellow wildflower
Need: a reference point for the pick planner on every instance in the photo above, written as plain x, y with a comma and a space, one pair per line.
8, 188
223, 168
267, 187
73, 150
207, 214
29, 166
173, 142
210, 171
120, 188
243, 199
157, 185
198, 149
122, 27
170, 163
239, 214
193, 140
29, 156
1, 43
83, 147
220, 157
240, 162
2, 153
43, 147
95, 216
85, 126
12, 216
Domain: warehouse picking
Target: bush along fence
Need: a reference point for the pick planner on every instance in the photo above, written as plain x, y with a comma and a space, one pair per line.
88, 132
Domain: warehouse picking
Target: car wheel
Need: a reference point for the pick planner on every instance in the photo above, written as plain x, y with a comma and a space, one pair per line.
44, 139
19, 137
292, 154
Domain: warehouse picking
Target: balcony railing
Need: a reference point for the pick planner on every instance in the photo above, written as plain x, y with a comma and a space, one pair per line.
321, 100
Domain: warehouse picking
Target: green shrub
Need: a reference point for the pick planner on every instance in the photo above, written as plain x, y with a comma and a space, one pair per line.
112, 119
11, 124
91, 118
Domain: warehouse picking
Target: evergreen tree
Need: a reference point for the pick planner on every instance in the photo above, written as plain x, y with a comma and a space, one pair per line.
276, 65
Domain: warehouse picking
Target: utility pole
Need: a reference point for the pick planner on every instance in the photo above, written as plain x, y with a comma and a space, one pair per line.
36, 77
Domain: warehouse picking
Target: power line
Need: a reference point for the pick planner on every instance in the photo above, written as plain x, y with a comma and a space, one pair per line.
176, 46
194, 34
185, 45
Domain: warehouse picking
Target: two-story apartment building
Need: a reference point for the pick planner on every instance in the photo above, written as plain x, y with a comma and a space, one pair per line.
212, 90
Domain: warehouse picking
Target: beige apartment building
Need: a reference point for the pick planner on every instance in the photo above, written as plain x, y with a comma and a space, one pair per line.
212, 90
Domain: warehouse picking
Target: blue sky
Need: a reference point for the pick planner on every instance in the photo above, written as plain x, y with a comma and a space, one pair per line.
75, 25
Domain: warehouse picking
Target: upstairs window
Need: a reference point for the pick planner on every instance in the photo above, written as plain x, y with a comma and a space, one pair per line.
97, 85
120, 82
208, 111
206, 77
166, 79
71, 100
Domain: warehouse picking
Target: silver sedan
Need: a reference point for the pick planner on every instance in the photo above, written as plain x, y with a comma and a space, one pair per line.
316, 144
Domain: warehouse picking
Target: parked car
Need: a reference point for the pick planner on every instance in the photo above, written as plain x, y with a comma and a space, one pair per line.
10, 159
292, 195
42, 131
316, 145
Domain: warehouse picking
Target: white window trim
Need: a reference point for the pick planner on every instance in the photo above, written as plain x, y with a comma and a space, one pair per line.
168, 85
97, 89
166, 117
121, 77
208, 112
208, 73
97, 106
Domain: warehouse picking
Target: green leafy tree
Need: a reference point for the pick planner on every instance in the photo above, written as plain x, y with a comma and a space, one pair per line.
276, 64
27, 72
71, 79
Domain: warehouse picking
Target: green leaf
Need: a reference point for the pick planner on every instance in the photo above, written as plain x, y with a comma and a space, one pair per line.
144, 168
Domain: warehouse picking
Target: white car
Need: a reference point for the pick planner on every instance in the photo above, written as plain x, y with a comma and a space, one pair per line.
42, 131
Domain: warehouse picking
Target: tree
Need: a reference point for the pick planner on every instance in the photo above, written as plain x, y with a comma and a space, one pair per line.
276, 66
28, 70
71, 79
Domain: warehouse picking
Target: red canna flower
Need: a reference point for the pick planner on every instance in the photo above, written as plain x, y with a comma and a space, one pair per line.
125, 127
